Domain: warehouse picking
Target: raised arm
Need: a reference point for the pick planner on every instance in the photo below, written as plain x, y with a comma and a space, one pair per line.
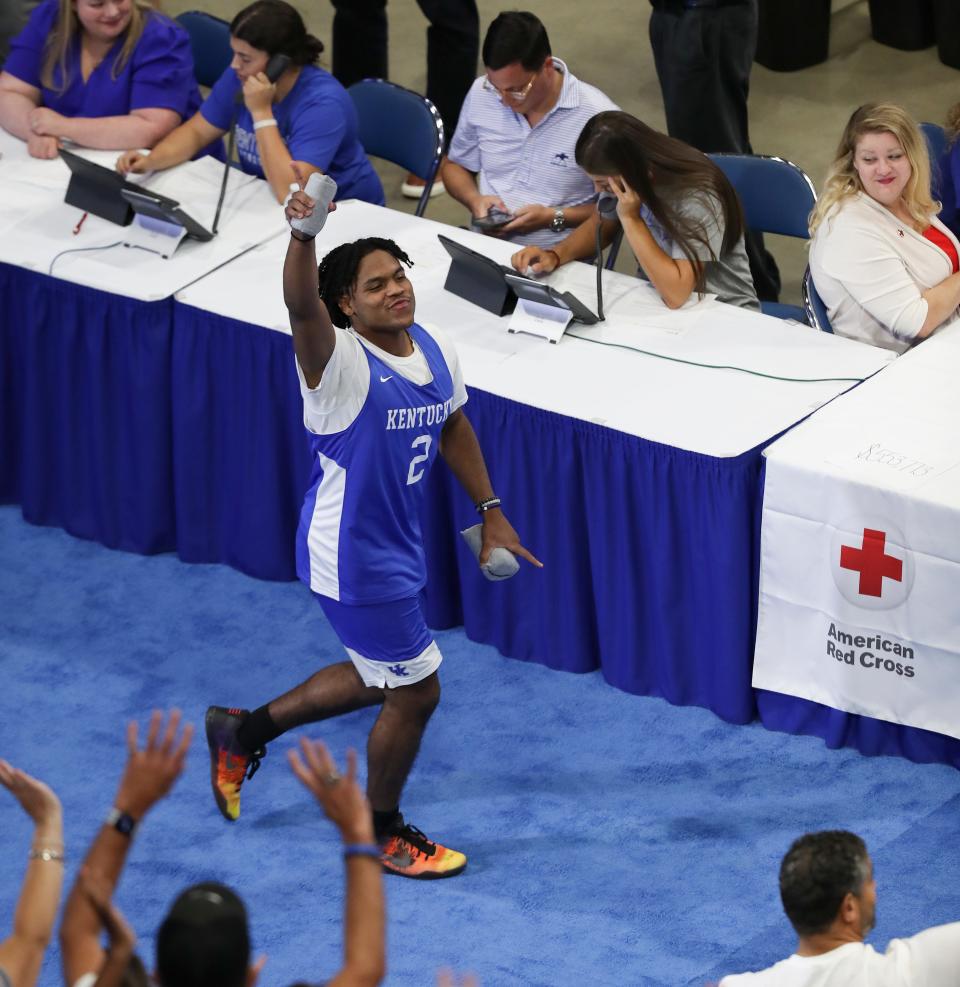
21, 954
461, 450
313, 334
275, 157
345, 805
149, 775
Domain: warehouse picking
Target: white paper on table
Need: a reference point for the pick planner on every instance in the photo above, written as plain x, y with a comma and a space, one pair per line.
538, 319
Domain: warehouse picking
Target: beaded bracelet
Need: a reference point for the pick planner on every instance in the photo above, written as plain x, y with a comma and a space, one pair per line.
45, 853
362, 850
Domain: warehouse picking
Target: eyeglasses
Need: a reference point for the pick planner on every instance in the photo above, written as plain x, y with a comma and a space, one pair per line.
515, 94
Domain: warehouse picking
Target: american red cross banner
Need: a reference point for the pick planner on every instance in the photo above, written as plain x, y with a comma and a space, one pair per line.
860, 580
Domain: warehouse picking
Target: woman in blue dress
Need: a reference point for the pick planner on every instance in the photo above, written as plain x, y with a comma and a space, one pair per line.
101, 73
305, 116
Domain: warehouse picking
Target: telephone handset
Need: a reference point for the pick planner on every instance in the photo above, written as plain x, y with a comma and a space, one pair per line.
277, 65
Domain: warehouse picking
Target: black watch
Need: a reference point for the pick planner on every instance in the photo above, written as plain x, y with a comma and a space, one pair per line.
122, 822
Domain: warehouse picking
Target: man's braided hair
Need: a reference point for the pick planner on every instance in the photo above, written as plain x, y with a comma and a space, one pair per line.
337, 273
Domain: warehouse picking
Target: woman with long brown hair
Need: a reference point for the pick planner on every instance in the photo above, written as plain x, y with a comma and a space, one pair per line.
102, 73
679, 213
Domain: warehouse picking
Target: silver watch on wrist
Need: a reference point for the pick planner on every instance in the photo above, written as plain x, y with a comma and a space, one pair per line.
558, 222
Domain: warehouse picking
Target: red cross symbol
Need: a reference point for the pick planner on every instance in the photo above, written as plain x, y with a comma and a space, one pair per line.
872, 562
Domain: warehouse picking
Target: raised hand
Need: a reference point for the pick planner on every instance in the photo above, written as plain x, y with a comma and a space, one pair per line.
36, 799
151, 772
340, 797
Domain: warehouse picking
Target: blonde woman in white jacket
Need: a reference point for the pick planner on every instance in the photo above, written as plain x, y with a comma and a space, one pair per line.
884, 265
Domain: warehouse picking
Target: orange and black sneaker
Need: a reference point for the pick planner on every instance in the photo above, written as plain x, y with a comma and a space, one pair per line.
408, 853
230, 763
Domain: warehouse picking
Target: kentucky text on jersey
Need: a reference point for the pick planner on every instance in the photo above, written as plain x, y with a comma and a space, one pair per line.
431, 414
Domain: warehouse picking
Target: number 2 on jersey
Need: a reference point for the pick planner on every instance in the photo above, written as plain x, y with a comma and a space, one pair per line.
414, 474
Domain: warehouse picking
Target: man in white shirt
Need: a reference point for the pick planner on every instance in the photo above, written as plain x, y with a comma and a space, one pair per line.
513, 150
830, 896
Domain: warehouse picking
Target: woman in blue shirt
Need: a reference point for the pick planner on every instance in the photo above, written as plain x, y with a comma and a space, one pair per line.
305, 116
101, 73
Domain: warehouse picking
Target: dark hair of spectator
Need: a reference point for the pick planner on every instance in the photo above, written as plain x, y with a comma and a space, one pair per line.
818, 871
204, 941
663, 171
516, 36
135, 975
337, 273
277, 28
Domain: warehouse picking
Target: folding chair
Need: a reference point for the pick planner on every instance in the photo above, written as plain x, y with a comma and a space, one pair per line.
777, 197
400, 126
813, 304
210, 43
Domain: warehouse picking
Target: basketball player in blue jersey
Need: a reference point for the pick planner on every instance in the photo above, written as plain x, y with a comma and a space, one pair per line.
381, 397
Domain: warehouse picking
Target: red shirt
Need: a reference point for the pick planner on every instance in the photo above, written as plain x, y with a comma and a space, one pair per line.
940, 239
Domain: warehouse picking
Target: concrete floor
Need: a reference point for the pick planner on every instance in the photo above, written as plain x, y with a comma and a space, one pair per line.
797, 115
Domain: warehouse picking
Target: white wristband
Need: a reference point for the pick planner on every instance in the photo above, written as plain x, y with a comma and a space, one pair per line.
260, 124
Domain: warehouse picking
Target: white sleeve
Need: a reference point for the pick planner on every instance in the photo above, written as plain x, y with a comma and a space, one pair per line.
930, 957
449, 352
864, 261
336, 401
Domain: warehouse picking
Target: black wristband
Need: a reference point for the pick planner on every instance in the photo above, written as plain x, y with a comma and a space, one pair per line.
362, 850
302, 239
487, 505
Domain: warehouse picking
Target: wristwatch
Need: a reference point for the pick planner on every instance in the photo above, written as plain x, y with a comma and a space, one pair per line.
122, 822
558, 222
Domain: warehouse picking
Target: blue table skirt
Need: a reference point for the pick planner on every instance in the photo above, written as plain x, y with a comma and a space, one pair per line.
650, 552
85, 441
839, 729
158, 427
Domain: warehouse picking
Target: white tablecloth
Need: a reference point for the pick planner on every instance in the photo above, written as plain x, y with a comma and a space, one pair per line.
719, 412
860, 550
36, 225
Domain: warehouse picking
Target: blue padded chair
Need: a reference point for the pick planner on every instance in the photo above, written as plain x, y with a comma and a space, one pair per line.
400, 126
936, 140
210, 43
777, 197
813, 304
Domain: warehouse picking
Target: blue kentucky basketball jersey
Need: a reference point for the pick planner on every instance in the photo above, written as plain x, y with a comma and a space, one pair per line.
359, 538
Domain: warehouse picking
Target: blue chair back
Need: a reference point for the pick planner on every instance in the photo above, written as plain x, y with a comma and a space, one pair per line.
776, 195
210, 43
400, 126
936, 140
813, 304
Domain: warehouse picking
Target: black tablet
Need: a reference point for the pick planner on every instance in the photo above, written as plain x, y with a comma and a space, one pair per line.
545, 294
97, 190
157, 206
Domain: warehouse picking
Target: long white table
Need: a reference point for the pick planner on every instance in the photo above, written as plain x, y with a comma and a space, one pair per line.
36, 225
597, 373
861, 562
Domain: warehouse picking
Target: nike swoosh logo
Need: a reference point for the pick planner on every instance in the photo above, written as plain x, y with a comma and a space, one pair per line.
383, 380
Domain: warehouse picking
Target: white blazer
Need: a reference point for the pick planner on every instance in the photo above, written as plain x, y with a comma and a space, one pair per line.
870, 270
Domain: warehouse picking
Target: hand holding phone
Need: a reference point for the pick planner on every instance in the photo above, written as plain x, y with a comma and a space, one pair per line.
494, 219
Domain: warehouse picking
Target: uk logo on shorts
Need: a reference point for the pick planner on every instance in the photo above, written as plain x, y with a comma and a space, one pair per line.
399, 670
870, 563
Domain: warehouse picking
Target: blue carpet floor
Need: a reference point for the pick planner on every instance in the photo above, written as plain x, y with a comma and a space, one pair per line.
612, 839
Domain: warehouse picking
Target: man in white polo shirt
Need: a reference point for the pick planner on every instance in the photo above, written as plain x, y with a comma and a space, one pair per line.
513, 150
830, 896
